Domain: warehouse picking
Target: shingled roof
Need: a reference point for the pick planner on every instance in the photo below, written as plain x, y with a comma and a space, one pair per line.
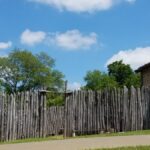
140, 69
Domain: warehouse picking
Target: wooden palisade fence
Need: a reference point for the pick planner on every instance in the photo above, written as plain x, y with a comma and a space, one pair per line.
25, 115
117, 110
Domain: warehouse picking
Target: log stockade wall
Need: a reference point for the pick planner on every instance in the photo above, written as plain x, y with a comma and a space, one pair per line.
25, 115
55, 120
117, 110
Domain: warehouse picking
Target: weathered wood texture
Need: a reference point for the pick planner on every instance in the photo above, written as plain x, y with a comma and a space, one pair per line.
55, 120
116, 110
25, 115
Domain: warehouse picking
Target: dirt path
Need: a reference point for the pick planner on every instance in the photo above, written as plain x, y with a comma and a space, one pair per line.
81, 144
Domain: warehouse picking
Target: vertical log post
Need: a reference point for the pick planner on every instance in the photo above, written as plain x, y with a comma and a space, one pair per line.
65, 110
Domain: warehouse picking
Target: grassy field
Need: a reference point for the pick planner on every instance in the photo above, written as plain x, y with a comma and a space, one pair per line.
143, 132
34, 140
128, 148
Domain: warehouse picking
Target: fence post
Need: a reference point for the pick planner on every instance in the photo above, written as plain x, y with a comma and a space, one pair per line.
43, 115
65, 110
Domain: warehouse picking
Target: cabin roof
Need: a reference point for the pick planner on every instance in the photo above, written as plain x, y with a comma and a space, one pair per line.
140, 69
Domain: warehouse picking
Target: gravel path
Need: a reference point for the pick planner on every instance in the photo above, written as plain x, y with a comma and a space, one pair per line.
81, 144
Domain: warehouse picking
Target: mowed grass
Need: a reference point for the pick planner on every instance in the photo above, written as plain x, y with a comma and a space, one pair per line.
129, 133
142, 132
127, 148
34, 140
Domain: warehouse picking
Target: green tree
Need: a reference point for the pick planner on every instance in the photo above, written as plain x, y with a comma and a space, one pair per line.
123, 74
133, 80
95, 80
22, 70
55, 99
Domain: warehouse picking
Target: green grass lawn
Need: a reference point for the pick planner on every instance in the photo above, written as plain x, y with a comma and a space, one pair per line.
127, 148
140, 132
143, 132
34, 140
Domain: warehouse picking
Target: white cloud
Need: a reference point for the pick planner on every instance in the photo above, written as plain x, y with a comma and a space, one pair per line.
5, 45
135, 57
74, 40
74, 86
81, 5
69, 40
31, 38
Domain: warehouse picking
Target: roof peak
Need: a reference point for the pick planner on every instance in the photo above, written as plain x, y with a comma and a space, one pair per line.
143, 67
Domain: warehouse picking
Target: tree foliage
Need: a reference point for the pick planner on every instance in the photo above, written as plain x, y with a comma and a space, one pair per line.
119, 75
22, 70
55, 99
133, 80
95, 80
123, 74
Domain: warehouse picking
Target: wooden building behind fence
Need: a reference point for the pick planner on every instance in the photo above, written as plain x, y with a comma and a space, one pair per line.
145, 74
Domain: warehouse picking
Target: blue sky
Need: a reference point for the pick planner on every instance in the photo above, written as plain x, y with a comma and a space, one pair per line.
80, 35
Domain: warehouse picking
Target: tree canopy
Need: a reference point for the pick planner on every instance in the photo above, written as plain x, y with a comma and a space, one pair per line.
123, 74
96, 80
22, 70
119, 75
